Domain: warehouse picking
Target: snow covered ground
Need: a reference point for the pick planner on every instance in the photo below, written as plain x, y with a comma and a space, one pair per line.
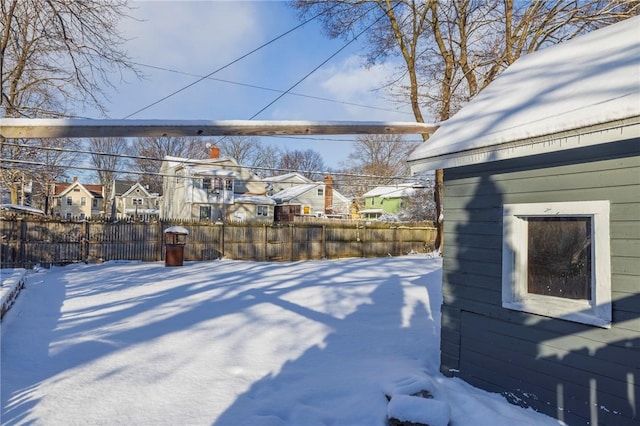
235, 343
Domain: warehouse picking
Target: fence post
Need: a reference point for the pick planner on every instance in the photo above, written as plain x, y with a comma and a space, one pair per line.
324, 242
159, 242
291, 225
265, 244
220, 239
84, 248
21, 263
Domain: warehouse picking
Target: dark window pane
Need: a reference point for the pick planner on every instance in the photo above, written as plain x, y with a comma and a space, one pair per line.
559, 257
205, 212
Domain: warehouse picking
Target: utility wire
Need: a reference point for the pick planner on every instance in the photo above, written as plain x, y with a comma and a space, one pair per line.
203, 162
189, 162
227, 65
269, 89
321, 64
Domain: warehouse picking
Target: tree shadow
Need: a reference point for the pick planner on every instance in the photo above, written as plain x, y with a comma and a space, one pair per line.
93, 312
574, 372
353, 358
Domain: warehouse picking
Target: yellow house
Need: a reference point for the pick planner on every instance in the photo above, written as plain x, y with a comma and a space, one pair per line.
77, 200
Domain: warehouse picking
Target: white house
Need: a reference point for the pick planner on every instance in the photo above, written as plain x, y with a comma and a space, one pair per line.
297, 195
214, 189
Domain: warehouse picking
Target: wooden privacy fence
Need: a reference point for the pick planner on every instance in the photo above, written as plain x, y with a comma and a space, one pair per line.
27, 241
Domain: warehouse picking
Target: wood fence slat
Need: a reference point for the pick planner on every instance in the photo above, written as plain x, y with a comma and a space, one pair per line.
26, 242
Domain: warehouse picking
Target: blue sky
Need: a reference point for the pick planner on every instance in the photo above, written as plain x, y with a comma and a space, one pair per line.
198, 37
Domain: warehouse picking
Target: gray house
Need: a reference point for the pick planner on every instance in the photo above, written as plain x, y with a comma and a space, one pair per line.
541, 275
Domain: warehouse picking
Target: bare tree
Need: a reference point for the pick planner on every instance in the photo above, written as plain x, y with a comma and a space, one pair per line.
450, 50
107, 158
147, 154
382, 156
54, 54
305, 162
267, 161
244, 149
54, 157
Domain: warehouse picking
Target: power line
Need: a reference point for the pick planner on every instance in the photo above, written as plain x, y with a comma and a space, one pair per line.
191, 162
203, 162
322, 63
320, 98
227, 65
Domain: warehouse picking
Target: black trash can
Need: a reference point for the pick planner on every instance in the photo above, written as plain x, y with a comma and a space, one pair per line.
174, 241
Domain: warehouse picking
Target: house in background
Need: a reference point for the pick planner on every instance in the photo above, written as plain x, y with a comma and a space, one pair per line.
297, 195
215, 189
130, 199
387, 199
541, 270
279, 183
77, 200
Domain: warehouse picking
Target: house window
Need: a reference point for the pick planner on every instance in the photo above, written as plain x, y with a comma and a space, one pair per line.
69, 201
206, 183
205, 212
82, 216
262, 211
58, 202
136, 201
229, 184
320, 192
68, 215
94, 203
552, 262
83, 201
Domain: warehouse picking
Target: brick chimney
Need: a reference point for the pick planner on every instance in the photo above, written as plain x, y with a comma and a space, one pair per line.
328, 194
75, 179
214, 152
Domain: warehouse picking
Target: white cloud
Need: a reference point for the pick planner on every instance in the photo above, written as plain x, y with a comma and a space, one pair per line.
192, 35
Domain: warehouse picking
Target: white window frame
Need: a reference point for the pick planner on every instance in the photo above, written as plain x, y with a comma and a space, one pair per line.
262, 210
597, 310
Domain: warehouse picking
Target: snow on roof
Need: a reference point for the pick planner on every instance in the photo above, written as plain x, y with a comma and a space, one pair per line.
177, 230
253, 199
211, 172
392, 191
286, 177
19, 208
592, 79
293, 192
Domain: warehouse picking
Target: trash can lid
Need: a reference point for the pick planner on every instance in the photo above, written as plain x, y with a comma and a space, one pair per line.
176, 230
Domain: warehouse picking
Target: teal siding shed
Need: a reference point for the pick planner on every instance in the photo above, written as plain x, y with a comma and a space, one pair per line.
557, 136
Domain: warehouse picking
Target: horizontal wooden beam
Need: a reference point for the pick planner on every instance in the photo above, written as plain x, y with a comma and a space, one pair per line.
35, 128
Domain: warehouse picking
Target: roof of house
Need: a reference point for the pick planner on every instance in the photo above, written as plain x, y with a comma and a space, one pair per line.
293, 192
591, 80
287, 177
60, 188
253, 199
122, 186
392, 191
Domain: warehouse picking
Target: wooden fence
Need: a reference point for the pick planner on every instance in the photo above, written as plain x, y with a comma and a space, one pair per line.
27, 241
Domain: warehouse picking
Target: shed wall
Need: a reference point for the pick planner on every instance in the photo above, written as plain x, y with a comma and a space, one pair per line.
575, 372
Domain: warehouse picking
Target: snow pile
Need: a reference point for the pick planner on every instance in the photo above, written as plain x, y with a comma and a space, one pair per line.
11, 282
416, 409
235, 343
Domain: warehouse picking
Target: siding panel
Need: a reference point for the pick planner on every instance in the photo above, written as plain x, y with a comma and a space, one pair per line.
501, 349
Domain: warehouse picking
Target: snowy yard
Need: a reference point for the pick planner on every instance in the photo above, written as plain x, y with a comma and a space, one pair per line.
233, 343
